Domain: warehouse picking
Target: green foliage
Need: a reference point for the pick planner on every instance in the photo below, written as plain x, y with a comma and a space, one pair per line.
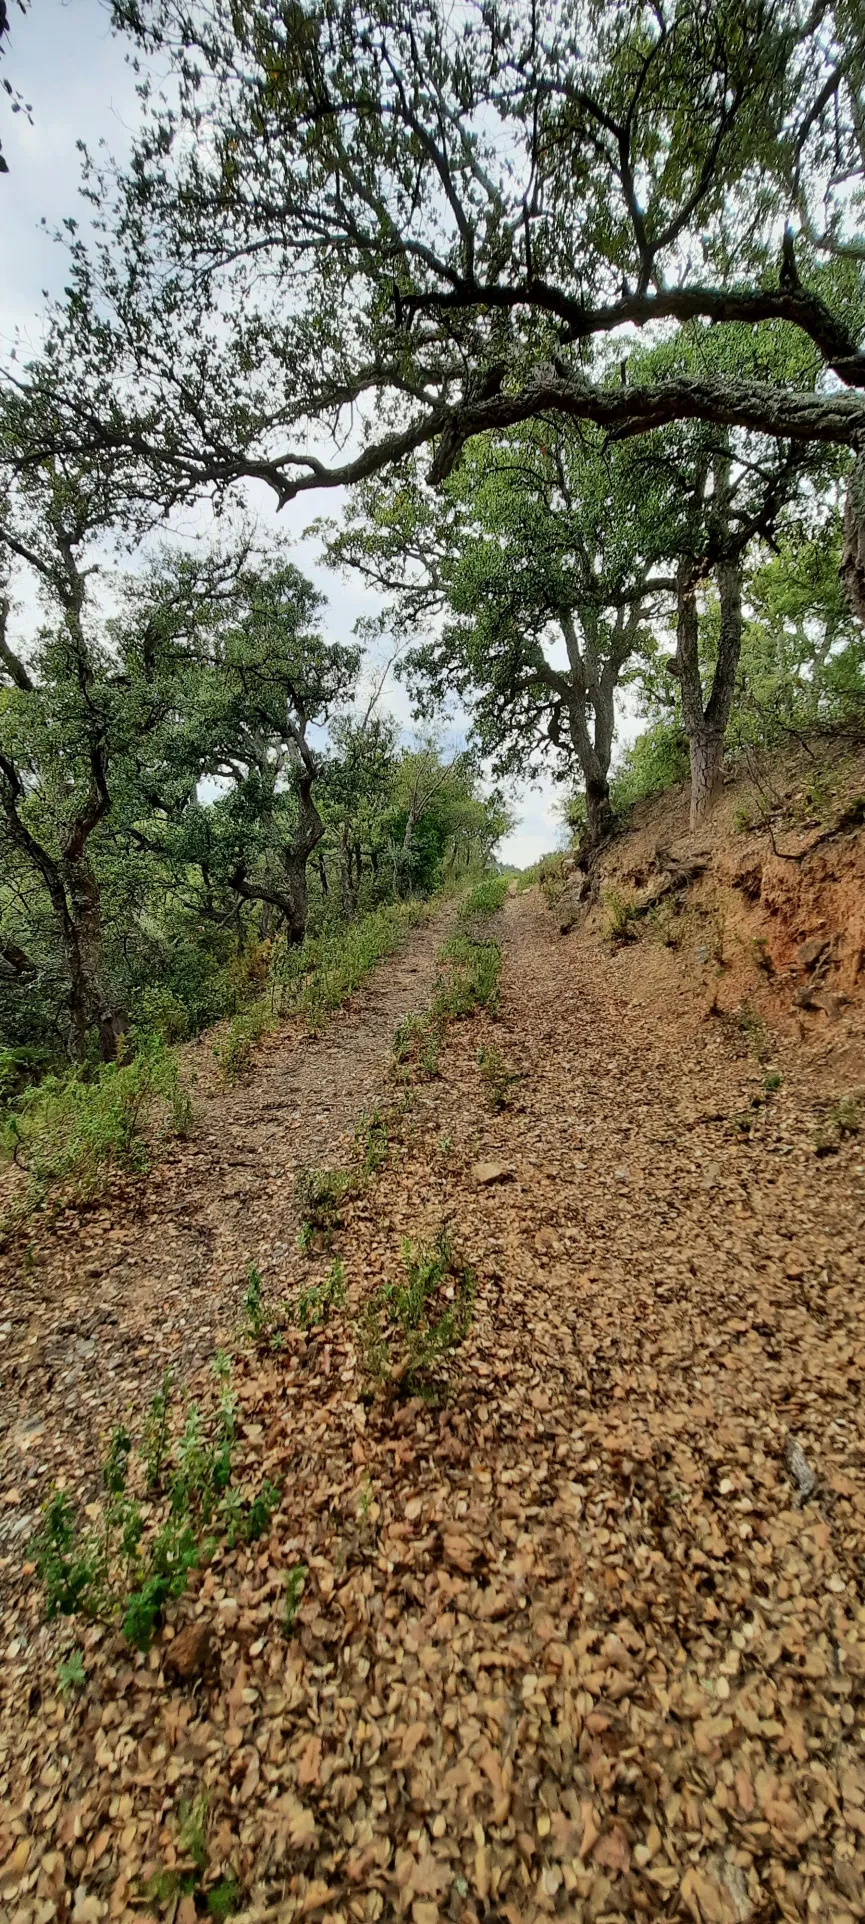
130, 1565
223, 1899
157, 1432
469, 979
409, 1331
235, 1050
69, 1568
320, 1193
498, 1079
326, 971
417, 1046
485, 898
620, 918
371, 1139
73, 1133
315, 1303
658, 759
71, 1674
294, 1587
255, 1317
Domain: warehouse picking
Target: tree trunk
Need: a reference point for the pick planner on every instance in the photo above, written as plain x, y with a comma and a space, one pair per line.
853, 555
707, 771
599, 814
91, 1003
347, 888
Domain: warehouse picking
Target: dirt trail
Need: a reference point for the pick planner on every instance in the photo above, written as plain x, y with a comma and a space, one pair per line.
569, 1644
91, 1316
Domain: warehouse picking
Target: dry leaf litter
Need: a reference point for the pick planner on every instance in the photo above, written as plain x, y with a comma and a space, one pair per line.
587, 1639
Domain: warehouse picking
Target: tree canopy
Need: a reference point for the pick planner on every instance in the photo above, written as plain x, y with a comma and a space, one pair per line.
401, 226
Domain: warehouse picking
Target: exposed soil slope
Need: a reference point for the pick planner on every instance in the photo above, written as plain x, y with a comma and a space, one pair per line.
570, 1645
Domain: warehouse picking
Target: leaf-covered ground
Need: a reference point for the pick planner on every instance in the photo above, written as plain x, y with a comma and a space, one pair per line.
570, 1644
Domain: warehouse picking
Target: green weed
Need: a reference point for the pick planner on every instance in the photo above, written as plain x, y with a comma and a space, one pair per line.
224, 1898
191, 1834
120, 1568
294, 1586
255, 1319
371, 1138
498, 1078
409, 1330
235, 1050
621, 916
319, 976
315, 1303
485, 898
75, 1133
840, 1120
320, 1194
470, 979
156, 1432
71, 1674
417, 1046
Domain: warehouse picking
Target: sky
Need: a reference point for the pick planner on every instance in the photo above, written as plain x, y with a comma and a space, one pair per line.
71, 70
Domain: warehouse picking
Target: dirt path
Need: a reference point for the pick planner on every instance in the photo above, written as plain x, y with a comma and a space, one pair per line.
98, 1307
569, 1645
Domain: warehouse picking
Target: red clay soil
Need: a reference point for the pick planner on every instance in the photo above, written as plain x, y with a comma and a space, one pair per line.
579, 1641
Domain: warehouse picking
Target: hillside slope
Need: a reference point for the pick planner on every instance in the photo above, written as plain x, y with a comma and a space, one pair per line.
583, 1636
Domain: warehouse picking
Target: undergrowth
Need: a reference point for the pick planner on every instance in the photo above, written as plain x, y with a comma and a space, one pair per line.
498, 1078
468, 979
315, 1303
409, 1331
166, 1507
485, 898
320, 975
74, 1133
320, 1193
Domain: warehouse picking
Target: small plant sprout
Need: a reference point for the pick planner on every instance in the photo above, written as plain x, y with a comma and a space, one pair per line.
71, 1674
498, 1078
294, 1584
156, 1432
409, 1330
315, 1303
255, 1319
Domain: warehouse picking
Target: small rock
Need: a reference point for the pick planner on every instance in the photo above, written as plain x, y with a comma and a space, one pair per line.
487, 1172
188, 1654
810, 953
799, 1469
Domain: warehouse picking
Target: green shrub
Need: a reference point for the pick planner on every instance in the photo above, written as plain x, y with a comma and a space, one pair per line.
620, 919
125, 1567
18, 1067
235, 1050
75, 1132
655, 761
485, 898
409, 1330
